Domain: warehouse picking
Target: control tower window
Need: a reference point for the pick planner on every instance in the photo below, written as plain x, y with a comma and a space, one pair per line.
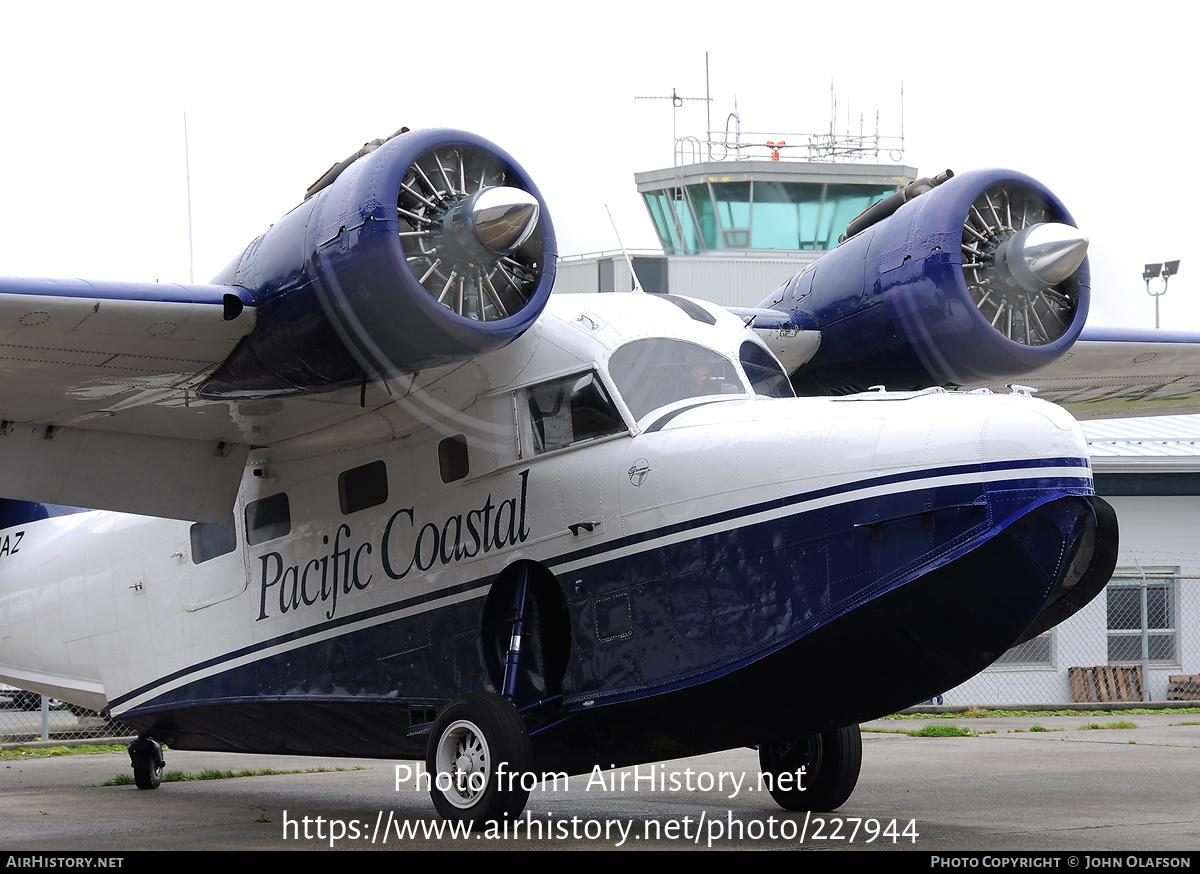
757, 214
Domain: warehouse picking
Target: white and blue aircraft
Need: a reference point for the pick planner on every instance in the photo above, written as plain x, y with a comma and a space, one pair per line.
375, 492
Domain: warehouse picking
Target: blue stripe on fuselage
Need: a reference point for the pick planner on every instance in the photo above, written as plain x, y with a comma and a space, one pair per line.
617, 568
804, 497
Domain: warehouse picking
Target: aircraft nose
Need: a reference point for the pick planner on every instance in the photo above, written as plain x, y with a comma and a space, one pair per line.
954, 427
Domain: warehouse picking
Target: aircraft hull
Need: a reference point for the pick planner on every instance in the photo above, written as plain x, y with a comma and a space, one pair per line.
989, 562
940, 627
730, 572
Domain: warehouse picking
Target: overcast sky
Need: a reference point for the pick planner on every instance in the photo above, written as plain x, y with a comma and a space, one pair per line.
1097, 106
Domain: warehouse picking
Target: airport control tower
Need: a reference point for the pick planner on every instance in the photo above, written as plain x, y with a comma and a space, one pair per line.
741, 212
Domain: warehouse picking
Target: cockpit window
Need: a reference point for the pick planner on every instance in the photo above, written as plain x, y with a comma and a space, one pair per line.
569, 410
654, 372
766, 376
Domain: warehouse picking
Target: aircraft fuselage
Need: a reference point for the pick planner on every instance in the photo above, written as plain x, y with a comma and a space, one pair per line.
707, 566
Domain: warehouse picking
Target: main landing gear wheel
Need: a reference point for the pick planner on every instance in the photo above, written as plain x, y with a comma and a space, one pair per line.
145, 754
831, 762
479, 751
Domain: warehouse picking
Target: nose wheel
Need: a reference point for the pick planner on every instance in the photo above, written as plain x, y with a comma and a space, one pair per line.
146, 757
814, 771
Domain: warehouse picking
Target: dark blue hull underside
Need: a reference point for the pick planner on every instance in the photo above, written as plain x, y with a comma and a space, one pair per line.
826, 649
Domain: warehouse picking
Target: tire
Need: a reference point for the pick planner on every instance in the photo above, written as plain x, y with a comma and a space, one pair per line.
147, 771
146, 757
831, 762
478, 753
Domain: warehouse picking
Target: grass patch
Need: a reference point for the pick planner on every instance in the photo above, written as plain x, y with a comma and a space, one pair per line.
983, 713
941, 731
215, 774
49, 752
1120, 723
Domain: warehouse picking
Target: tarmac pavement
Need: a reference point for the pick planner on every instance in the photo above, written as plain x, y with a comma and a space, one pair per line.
1006, 788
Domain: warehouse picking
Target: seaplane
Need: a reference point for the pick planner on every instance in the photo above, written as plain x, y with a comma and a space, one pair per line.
374, 491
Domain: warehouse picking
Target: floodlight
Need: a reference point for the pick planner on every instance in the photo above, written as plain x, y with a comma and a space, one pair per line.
1167, 269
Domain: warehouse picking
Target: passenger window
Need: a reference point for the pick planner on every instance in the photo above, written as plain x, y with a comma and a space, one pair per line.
362, 487
452, 458
210, 541
267, 519
569, 410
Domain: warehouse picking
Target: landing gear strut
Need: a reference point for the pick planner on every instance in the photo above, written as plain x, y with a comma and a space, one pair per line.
815, 771
146, 756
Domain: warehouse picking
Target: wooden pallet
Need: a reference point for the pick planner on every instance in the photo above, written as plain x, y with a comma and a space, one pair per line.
1184, 687
1106, 683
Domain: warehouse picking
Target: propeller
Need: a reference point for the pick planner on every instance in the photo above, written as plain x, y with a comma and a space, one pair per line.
467, 235
1020, 264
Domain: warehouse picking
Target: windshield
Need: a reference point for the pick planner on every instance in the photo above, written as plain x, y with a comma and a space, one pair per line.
655, 372
766, 376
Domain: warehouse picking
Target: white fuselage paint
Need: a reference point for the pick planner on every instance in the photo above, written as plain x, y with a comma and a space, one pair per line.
95, 606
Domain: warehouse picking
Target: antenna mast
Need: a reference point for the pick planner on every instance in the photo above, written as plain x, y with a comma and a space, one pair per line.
187, 172
676, 103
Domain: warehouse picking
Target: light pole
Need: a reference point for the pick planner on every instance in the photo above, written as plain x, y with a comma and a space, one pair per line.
1167, 269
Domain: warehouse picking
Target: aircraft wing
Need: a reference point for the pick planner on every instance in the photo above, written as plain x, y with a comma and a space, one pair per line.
98, 399
1107, 373
372, 297
1119, 372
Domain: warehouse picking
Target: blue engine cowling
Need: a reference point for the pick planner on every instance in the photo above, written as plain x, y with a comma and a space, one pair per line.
366, 279
913, 300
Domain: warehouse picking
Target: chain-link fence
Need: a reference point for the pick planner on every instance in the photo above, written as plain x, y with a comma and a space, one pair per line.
1135, 642
26, 717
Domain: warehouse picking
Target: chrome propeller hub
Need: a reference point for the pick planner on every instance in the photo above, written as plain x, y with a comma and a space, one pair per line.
1020, 263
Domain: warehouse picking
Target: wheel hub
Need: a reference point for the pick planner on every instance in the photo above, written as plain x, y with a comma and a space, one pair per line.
466, 758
